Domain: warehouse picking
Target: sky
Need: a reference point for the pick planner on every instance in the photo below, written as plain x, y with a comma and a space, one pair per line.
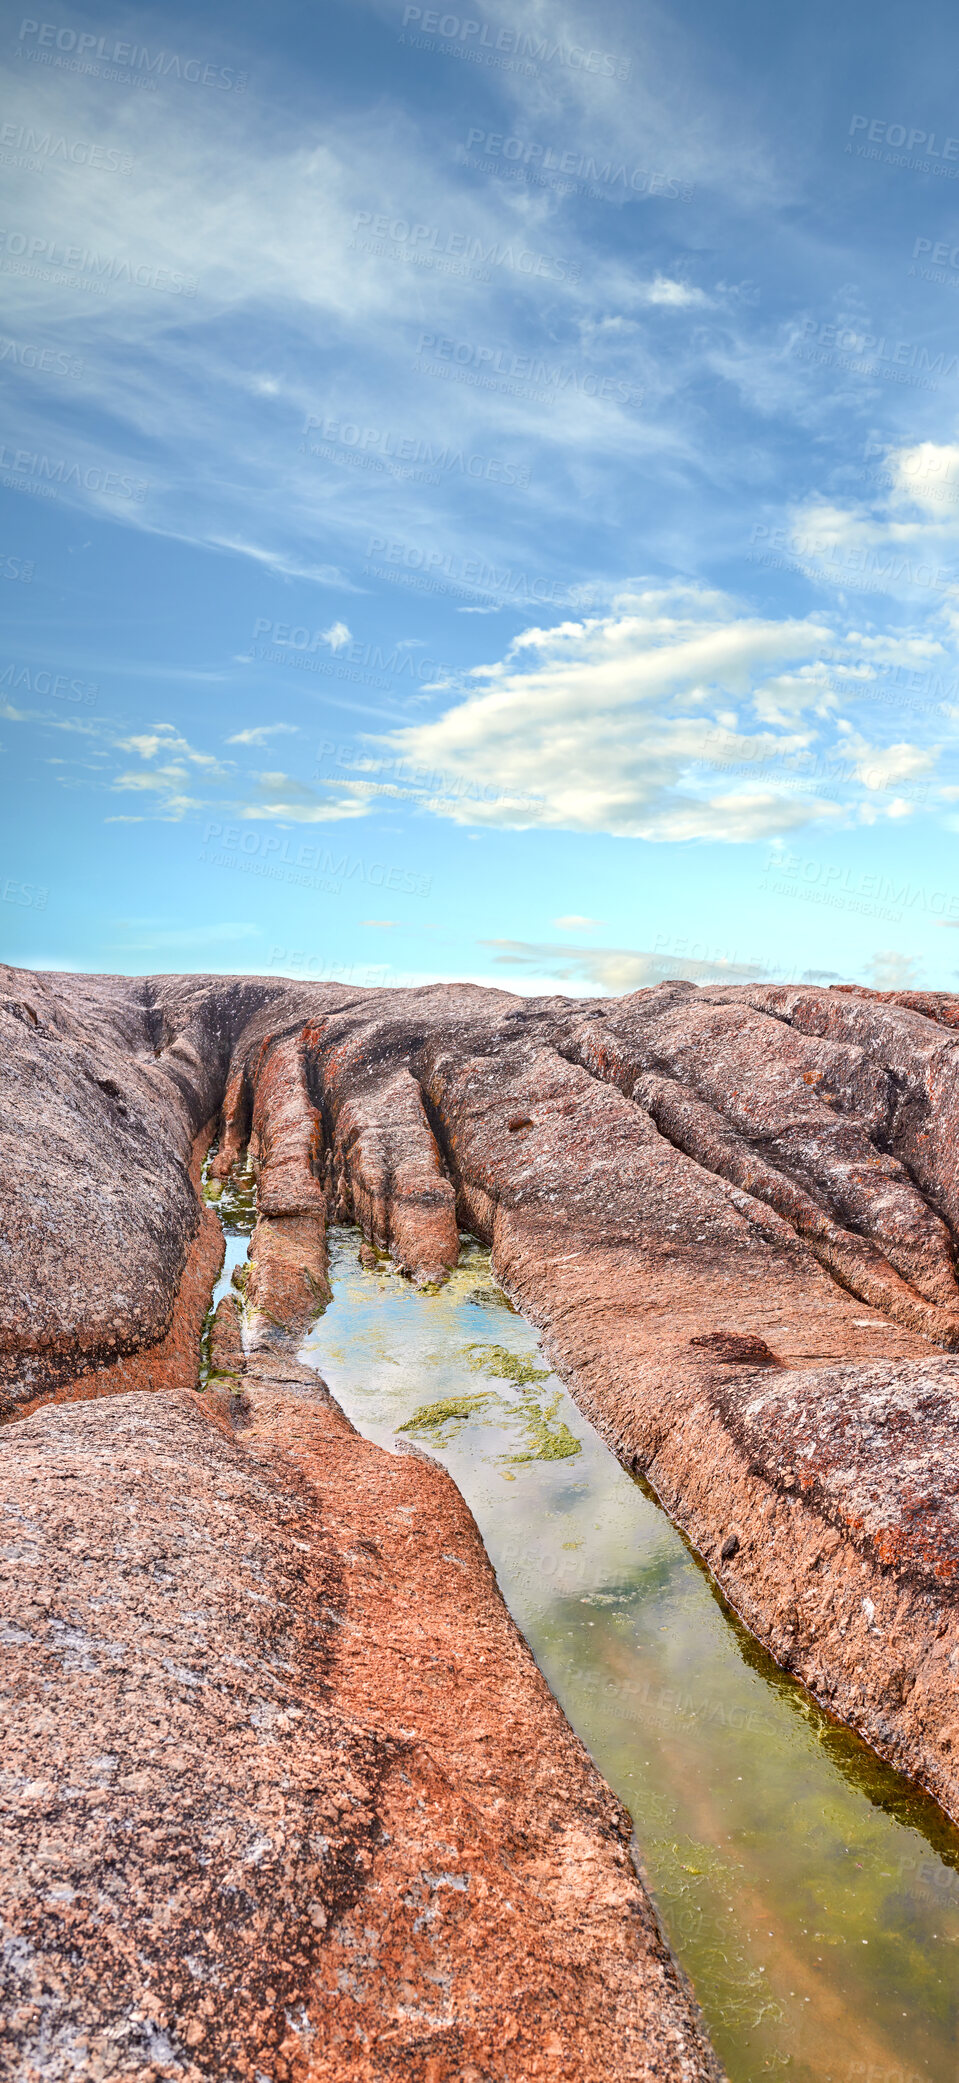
480, 492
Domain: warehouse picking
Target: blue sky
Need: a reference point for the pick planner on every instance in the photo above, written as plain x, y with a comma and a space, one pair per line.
481, 492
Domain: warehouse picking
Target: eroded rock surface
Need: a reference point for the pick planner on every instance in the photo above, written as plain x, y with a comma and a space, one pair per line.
107, 1083
672, 1183
283, 1792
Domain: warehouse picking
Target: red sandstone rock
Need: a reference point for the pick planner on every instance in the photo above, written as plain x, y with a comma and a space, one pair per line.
286, 1136
284, 1793
657, 1176
173, 1359
236, 1119
900, 1075
106, 1083
935, 1005
226, 1337
775, 1091
388, 1173
289, 1277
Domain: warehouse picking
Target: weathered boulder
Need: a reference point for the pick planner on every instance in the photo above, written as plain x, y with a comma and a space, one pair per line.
283, 1792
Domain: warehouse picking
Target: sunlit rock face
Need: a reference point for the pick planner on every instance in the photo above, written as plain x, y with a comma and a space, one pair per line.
731, 1211
286, 1793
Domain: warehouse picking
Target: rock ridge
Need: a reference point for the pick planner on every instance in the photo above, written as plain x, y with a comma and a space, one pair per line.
657, 1175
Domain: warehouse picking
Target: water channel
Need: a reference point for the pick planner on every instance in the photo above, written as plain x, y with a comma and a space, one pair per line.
809, 1892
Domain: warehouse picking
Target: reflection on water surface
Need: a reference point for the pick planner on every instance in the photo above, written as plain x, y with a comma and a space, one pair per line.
810, 1894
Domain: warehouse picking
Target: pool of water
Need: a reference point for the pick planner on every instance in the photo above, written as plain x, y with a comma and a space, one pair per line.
810, 1893
235, 1204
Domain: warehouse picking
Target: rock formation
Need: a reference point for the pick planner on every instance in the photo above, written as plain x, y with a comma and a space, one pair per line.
732, 1212
284, 1794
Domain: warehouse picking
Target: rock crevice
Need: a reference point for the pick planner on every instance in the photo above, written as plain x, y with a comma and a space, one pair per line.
657, 1175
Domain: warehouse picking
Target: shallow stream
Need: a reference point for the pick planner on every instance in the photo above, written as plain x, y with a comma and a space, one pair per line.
809, 1892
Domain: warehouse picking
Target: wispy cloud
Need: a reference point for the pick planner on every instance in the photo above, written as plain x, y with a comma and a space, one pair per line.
284, 799
628, 723
614, 969
259, 733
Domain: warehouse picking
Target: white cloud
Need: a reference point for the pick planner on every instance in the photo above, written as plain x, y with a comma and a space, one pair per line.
675, 296
905, 536
165, 741
615, 969
261, 227
928, 475
881, 766
164, 782
259, 734
285, 563
288, 801
601, 725
891, 971
573, 921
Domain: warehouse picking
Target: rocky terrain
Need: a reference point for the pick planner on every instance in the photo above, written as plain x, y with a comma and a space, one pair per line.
283, 1793
732, 1212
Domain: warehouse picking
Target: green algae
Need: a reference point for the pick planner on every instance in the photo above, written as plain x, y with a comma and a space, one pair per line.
233, 1198
236, 1203
505, 1365
812, 1895
544, 1437
435, 1420
548, 1438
